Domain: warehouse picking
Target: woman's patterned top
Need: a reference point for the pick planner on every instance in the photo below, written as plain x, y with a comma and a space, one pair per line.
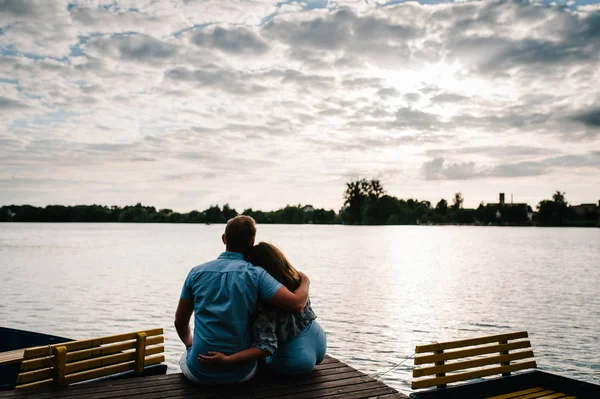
273, 326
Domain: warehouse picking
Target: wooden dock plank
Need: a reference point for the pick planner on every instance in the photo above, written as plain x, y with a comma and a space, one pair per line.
176, 381
332, 380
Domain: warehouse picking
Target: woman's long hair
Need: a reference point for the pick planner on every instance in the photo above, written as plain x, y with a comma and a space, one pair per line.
270, 258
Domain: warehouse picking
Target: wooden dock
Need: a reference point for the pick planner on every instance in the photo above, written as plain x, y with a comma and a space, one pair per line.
332, 380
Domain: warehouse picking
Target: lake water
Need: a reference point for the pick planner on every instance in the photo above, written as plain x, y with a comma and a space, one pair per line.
377, 291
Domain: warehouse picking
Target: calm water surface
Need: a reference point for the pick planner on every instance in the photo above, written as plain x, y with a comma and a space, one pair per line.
377, 291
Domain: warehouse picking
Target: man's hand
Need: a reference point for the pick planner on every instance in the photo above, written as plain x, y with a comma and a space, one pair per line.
214, 359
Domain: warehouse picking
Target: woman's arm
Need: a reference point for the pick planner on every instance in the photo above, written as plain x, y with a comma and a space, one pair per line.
220, 359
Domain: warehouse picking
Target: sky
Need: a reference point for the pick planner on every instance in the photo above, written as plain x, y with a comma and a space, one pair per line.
185, 104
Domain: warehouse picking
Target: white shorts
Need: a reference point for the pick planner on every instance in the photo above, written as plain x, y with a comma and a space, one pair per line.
188, 374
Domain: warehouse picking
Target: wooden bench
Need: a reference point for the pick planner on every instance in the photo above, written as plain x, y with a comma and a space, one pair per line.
500, 355
497, 351
77, 361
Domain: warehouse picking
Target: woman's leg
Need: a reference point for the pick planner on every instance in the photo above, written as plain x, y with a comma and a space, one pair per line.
319, 342
302, 353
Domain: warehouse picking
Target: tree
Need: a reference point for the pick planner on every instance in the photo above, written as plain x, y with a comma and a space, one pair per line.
375, 189
458, 201
228, 213
559, 198
442, 207
553, 212
355, 197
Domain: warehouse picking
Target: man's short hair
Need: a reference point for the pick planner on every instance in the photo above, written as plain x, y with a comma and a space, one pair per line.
239, 231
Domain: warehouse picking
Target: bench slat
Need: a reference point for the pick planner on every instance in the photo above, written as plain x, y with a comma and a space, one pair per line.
32, 376
536, 395
467, 364
34, 364
452, 355
470, 342
429, 382
88, 343
517, 394
109, 370
109, 360
37, 384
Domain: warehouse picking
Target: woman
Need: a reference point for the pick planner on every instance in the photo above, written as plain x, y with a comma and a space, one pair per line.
291, 343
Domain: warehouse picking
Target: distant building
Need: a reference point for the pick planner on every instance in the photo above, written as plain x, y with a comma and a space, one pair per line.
585, 208
515, 213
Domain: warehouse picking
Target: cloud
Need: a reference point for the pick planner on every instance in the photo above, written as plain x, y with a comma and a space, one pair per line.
590, 118
10, 104
412, 118
438, 169
494, 151
449, 98
344, 32
132, 47
17, 8
212, 76
235, 40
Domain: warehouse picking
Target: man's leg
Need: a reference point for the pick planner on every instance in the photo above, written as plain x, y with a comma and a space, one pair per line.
185, 370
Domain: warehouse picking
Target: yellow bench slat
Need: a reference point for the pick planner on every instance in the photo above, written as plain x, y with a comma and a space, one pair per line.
470, 342
34, 364
467, 364
109, 370
37, 384
535, 395
552, 396
458, 354
109, 360
37, 375
516, 394
88, 343
429, 382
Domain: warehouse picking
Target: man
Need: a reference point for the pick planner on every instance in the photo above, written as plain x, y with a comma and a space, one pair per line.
222, 294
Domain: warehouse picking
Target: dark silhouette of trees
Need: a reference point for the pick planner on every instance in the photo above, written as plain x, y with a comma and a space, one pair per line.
358, 193
442, 207
365, 201
553, 212
458, 201
148, 214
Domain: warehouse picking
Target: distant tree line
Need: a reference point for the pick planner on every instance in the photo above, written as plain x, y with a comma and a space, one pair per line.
365, 203
149, 214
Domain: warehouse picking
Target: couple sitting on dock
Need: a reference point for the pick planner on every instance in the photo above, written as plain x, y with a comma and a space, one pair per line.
249, 304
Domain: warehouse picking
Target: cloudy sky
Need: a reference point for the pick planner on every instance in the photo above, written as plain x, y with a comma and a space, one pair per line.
183, 104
